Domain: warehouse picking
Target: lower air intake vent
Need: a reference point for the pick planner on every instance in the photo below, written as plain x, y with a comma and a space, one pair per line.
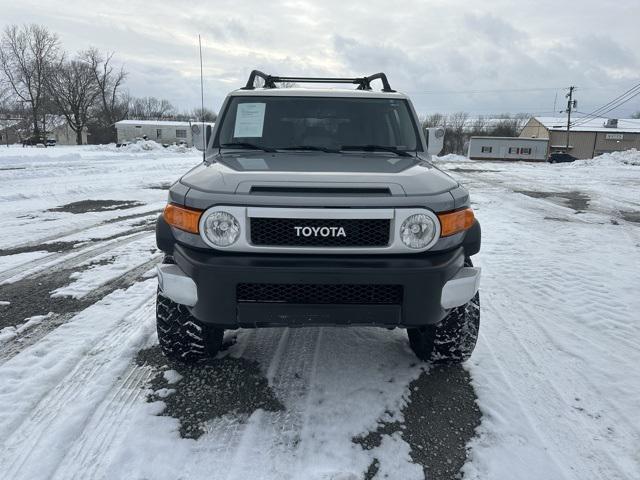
317, 293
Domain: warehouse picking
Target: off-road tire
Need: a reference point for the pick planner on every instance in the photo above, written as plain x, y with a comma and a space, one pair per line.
453, 339
182, 337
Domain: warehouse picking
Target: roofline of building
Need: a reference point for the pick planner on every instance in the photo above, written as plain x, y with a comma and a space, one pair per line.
509, 138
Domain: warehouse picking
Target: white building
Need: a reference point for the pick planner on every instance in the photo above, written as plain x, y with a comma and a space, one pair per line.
508, 148
162, 131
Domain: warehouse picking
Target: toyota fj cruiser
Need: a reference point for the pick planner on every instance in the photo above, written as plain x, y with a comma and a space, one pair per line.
318, 207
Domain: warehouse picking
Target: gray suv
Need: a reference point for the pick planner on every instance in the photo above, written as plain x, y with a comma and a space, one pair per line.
318, 207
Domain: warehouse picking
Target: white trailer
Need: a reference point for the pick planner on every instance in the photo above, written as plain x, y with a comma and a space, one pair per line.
508, 148
162, 131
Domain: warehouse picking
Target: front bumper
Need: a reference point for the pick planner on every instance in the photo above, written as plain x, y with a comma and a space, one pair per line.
207, 283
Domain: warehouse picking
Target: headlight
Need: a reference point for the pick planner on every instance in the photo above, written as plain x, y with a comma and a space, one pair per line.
418, 231
221, 228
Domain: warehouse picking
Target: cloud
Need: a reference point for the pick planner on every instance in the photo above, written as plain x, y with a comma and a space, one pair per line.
433, 49
493, 28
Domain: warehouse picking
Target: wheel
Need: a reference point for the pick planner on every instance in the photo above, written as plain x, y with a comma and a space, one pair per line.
182, 337
453, 339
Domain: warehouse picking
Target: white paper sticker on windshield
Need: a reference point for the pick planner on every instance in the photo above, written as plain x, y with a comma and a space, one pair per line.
249, 120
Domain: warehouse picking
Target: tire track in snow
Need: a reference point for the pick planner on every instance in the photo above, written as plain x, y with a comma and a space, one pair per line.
59, 235
260, 450
585, 305
60, 261
223, 435
32, 335
58, 406
559, 410
86, 457
506, 382
623, 422
263, 446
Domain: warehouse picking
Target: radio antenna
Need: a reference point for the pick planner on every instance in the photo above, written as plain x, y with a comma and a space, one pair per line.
204, 136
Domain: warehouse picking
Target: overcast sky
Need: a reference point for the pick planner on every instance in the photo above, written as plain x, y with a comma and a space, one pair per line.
481, 57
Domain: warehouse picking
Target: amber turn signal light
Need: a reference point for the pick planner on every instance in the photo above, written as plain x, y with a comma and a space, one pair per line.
184, 218
455, 222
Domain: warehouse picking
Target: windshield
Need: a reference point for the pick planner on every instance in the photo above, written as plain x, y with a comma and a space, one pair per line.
318, 123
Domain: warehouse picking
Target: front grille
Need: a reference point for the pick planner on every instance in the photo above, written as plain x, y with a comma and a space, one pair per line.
318, 293
299, 232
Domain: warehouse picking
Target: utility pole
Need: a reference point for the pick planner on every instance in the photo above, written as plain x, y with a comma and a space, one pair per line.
570, 105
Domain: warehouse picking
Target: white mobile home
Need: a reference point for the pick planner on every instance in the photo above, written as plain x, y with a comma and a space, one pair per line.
161, 131
508, 148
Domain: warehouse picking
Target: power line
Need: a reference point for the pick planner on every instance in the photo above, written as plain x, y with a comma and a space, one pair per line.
499, 90
462, 92
629, 120
612, 105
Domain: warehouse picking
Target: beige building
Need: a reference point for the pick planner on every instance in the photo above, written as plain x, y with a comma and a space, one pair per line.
587, 138
60, 131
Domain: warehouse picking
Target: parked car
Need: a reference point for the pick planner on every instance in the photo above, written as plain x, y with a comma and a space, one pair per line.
34, 140
561, 157
318, 207
51, 142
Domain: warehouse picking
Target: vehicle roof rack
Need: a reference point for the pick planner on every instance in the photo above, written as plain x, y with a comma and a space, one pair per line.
364, 83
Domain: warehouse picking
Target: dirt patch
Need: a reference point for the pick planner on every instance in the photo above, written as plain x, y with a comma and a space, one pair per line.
557, 219
373, 469
160, 186
209, 390
439, 420
43, 247
60, 247
575, 200
32, 295
133, 215
633, 217
85, 206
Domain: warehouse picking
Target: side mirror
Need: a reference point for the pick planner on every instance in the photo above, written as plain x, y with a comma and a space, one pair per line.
197, 138
435, 139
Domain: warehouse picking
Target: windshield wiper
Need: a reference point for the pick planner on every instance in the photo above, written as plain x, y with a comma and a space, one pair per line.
248, 145
310, 148
373, 148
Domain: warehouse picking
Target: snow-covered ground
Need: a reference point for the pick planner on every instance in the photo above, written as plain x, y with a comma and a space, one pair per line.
85, 393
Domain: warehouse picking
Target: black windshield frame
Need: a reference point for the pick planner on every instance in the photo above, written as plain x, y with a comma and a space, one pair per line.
232, 102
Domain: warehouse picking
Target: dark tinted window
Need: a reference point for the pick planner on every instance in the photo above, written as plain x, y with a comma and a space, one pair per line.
325, 122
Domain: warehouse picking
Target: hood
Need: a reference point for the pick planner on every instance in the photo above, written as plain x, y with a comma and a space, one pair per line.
240, 172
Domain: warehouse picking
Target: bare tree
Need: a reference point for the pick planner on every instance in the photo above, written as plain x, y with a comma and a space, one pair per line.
114, 102
150, 108
479, 126
433, 120
506, 126
28, 54
456, 124
74, 90
204, 115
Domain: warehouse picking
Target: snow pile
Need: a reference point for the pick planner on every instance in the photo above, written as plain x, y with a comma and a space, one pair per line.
450, 157
144, 146
614, 159
8, 333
